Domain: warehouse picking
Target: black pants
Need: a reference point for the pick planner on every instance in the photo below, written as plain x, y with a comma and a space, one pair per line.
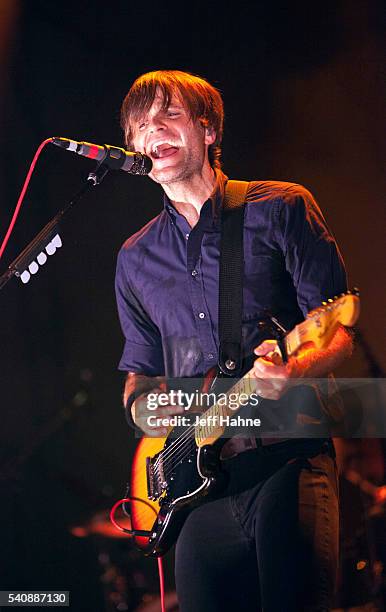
271, 542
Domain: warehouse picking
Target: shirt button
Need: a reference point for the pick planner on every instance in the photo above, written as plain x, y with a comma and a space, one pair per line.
194, 272
186, 236
210, 356
201, 315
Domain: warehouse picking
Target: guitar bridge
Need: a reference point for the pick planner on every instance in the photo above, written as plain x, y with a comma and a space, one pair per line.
156, 483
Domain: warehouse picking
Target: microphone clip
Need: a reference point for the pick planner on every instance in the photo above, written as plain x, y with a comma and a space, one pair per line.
97, 176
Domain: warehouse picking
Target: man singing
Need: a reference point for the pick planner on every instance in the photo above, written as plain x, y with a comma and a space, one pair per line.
270, 541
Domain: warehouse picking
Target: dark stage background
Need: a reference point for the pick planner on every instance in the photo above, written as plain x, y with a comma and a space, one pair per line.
304, 91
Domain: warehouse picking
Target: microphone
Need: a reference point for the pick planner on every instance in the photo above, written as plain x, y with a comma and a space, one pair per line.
114, 157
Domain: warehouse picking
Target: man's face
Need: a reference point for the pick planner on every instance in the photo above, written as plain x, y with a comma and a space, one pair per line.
176, 144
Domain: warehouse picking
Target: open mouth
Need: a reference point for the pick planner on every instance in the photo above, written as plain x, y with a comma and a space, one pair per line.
159, 151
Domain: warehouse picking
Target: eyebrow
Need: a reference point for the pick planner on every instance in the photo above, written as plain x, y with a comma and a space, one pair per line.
171, 105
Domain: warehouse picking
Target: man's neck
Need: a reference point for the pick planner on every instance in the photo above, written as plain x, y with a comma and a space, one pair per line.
188, 196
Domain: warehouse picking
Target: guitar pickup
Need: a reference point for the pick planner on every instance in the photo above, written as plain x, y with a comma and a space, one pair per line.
156, 484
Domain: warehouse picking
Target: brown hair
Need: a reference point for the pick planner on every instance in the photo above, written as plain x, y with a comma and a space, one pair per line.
203, 101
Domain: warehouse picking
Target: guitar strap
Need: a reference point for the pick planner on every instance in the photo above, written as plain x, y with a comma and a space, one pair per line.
231, 285
231, 277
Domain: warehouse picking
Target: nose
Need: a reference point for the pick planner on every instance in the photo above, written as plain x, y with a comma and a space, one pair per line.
156, 123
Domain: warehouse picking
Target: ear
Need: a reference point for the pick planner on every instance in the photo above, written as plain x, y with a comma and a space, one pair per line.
210, 135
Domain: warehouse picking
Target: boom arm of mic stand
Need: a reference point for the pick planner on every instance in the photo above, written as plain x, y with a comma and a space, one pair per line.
50, 231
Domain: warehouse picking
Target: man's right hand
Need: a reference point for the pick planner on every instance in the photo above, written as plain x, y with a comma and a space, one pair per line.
141, 412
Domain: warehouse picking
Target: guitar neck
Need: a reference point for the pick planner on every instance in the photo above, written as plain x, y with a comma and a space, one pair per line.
318, 329
213, 418
243, 389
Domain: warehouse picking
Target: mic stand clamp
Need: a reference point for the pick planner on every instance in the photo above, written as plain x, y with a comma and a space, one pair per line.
99, 174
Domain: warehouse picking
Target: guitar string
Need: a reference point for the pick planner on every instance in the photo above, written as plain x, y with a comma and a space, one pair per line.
185, 449
166, 463
183, 452
144, 513
179, 451
171, 463
169, 450
179, 442
176, 445
178, 455
172, 460
168, 467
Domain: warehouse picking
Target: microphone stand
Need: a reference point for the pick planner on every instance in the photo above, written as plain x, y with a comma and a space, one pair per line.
49, 231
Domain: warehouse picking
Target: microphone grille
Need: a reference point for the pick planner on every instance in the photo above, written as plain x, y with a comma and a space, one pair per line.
142, 164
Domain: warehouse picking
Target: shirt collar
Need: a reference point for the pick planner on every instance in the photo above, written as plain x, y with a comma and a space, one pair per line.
214, 202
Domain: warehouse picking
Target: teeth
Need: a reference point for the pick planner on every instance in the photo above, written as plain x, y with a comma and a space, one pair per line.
155, 147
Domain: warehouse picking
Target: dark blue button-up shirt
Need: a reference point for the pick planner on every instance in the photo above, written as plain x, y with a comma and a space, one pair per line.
167, 277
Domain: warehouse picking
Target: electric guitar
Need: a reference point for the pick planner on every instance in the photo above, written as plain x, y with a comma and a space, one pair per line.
171, 475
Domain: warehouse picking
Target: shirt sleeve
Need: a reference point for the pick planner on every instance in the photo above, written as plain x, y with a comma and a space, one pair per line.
142, 352
312, 257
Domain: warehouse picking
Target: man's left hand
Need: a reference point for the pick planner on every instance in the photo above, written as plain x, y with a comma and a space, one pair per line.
273, 376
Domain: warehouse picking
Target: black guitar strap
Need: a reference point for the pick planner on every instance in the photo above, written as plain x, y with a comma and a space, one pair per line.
231, 277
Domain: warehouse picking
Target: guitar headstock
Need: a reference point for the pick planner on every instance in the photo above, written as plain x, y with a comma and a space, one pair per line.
343, 309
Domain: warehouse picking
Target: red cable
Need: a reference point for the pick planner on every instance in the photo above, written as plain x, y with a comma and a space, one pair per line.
22, 194
129, 532
112, 514
161, 583
124, 501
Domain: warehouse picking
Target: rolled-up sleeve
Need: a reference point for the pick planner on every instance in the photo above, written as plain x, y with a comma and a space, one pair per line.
312, 257
142, 351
